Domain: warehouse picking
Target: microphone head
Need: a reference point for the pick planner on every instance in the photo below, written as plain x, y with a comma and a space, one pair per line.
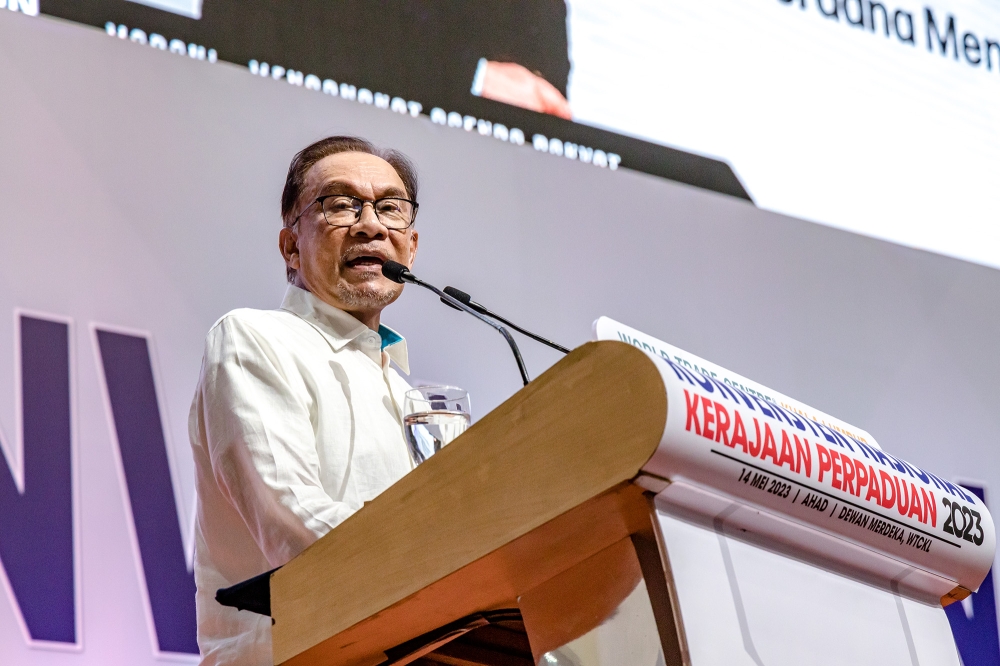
458, 295
395, 271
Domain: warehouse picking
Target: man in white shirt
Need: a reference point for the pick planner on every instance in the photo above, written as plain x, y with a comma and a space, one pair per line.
297, 421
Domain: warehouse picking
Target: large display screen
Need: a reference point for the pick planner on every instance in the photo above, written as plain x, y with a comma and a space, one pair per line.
879, 118
875, 117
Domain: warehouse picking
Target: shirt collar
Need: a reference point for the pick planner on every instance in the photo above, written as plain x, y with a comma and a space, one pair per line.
394, 345
341, 328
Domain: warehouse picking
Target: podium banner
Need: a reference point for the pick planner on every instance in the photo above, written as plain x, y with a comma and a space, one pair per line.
793, 475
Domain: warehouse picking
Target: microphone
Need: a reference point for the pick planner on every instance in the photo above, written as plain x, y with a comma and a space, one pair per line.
397, 272
463, 297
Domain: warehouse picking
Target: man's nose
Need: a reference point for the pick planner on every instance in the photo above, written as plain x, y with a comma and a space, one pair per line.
368, 224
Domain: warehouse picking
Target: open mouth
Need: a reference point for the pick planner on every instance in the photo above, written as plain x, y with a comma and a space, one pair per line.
365, 258
366, 261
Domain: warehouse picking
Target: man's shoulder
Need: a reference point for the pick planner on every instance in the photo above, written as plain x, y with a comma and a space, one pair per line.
254, 323
251, 318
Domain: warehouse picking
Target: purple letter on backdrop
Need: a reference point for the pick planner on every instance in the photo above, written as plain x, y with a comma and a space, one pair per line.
129, 377
976, 636
36, 528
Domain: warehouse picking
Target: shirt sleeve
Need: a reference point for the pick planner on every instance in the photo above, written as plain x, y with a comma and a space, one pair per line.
257, 416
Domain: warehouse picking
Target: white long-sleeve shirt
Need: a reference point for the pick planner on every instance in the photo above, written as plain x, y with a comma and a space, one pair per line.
297, 420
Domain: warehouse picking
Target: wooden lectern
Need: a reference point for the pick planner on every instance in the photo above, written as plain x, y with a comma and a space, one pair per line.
533, 509
577, 525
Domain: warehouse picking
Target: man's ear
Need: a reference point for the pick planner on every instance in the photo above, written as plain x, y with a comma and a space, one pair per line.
288, 243
414, 238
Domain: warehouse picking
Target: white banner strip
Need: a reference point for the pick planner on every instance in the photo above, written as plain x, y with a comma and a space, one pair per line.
737, 439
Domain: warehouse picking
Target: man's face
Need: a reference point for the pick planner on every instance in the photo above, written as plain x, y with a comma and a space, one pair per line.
342, 266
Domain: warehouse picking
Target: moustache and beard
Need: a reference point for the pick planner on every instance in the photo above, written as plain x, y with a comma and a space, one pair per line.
373, 291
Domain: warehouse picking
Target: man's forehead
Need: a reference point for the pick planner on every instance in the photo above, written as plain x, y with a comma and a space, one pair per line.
364, 173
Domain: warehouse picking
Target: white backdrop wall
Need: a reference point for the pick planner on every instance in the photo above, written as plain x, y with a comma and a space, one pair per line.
140, 189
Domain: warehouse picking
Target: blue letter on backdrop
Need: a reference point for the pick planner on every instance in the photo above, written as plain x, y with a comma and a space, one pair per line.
976, 636
129, 377
36, 528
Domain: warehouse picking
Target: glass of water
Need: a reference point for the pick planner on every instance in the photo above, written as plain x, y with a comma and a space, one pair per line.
433, 417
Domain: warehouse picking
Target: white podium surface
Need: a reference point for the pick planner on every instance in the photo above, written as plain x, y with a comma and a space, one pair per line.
742, 604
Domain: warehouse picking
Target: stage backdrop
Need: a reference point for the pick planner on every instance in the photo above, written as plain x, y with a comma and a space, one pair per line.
139, 202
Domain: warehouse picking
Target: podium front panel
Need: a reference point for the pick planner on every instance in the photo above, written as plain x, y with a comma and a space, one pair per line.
742, 604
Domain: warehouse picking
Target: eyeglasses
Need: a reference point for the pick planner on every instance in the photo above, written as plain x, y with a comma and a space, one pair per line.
344, 210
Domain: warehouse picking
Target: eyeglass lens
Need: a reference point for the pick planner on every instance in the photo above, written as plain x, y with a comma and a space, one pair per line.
345, 211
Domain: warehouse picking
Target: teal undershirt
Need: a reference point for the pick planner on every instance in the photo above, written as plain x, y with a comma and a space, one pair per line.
389, 337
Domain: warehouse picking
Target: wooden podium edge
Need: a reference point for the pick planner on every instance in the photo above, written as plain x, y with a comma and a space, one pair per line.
564, 446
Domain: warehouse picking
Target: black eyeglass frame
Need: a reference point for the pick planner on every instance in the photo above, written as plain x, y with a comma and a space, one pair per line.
373, 202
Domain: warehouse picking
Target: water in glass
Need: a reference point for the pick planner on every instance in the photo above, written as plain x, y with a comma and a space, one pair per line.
434, 417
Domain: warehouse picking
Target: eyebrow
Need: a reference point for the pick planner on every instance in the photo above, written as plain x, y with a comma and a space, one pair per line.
394, 192
344, 187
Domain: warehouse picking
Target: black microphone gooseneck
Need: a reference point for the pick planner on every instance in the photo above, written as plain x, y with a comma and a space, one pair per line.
463, 297
397, 272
